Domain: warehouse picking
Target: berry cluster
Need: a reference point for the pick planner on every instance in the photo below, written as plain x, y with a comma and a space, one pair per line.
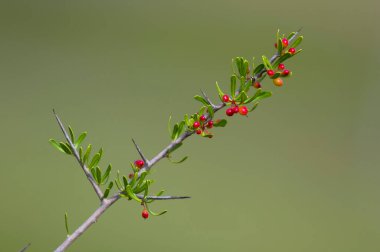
201, 125
285, 44
234, 109
281, 71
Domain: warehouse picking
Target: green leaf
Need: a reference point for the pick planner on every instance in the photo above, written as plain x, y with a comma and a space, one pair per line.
207, 134
187, 121
141, 179
65, 148
246, 67
258, 96
134, 179
178, 162
180, 128
267, 63
117, 181
155, 214
107, 173
297, 42
175, 131
125, 181
176, 147
87, 153
201, 112
233, 86
98, 175
220, 123
81, 153
291, 35
276, 75
282, 59
131, 194
56, 145
210, 111
80, 139
71, 134
279, 46
201, 99
160, 193
107, 191
220, 92
93, 172
67, 224
259, 68
95, 160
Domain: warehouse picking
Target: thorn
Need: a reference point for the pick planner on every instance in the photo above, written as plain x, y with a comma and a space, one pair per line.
25, 247
146, 161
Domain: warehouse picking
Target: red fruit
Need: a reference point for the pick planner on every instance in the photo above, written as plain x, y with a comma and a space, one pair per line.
235, 109
275, 45
281, 66
292, 50
270, 72
130, 175
285, 42
202, 118
286, 72
230, 112
243, 110
210, 124
145, 214
196, 125
278, 82
198, 132
226, 98
139, 163
257, 85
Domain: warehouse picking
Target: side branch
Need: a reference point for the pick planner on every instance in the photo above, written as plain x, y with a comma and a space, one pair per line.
86, 171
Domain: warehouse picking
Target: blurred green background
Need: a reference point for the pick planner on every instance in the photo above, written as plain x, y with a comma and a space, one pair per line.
300, 174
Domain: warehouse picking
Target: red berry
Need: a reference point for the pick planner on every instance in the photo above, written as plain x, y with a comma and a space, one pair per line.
275, 45
243, 110
235, 109
139, 163
285, 42
230, 112
198, 132
210, 124
281, 66
196, 125
145, 214
278, 82
270, 72
226, 98
292, 50
202, 118
257, 85
130, 175
286, 72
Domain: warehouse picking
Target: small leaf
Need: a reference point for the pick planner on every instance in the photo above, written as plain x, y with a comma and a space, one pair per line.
254, 107
160, 193
210, 111
220, 123
178, 162
131, 194
175, 130
95, 160
259, 68
155, 214
180, 128
87, 153
107, 173
220, 92
176, 147
65, 148
71, 134
81, 153
80, 139
297, 42
134, 179
56, 145
107, 191
258, 96
267, 63
282, 59
279, 46
291, 35
276, 75
125, 181
233, 86
67, 224
98, 175
187, 121
201, 99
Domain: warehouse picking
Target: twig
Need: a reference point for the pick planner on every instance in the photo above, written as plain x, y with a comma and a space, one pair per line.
86, 171
25, 247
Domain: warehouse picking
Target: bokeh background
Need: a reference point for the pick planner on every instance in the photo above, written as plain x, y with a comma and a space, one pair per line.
300, 174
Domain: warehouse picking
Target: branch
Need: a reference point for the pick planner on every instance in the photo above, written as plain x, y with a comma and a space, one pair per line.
86, 171
146, 161
162, 197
